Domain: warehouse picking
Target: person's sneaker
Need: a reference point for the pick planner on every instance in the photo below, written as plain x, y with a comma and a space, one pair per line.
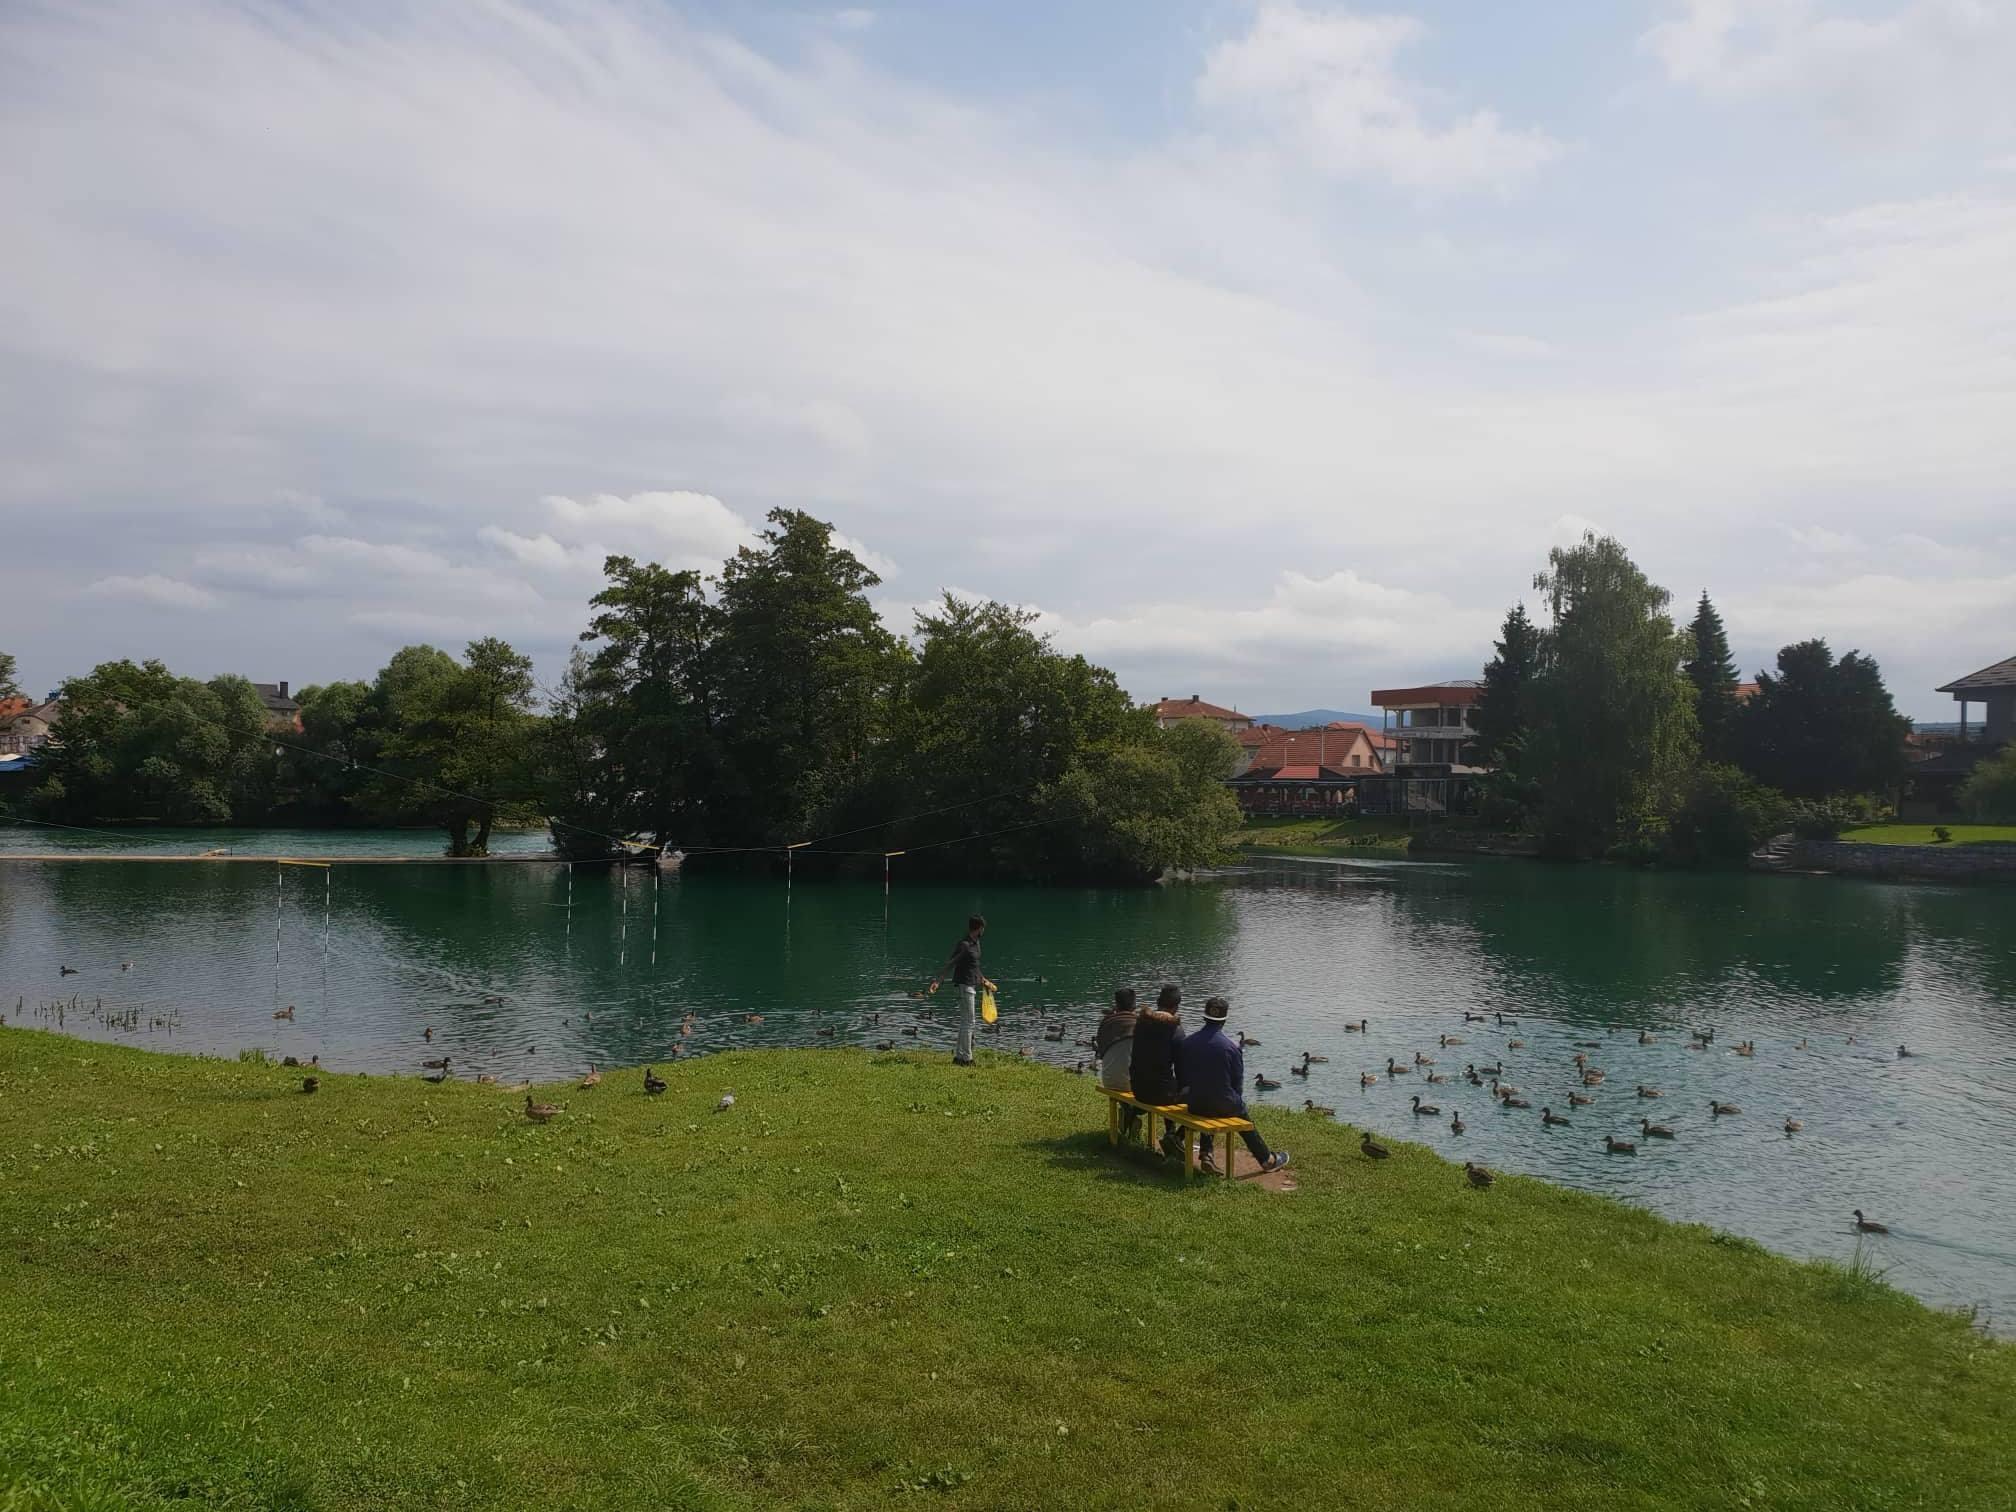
1275, 1161
958, 1062
1172, 1145
1208, 1165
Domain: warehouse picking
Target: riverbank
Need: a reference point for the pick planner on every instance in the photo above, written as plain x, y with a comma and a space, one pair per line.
1323, 837
876, 1274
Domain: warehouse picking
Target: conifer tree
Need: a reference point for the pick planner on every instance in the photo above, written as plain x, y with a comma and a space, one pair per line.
1713, 674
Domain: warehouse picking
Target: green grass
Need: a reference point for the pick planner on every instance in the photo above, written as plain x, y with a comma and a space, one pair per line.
1322, 837
1921, 834
880, 1279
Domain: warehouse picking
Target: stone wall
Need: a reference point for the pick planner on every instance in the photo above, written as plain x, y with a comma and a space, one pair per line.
1930, 863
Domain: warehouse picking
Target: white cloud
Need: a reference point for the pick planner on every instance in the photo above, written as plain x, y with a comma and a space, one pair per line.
1327, 82
679, 528
1915, 69
154, 588
268, 568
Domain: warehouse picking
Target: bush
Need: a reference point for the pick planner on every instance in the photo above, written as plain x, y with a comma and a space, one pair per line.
1825, 818
1940, 834
1989, 795
1725, 815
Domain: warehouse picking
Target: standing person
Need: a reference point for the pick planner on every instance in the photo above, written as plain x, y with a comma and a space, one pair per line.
1113, 1044
1214, 1069
1158, 1037
964, 969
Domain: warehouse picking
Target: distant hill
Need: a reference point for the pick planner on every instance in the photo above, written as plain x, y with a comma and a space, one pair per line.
1309, 719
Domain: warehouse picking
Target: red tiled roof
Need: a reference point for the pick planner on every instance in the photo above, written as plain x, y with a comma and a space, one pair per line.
1331, 746
1258, 735
1745, 692
9, 707
1194, 707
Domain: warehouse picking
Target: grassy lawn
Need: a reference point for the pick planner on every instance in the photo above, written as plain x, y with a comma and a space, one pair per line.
1921, 834
1322, 837
880, 1277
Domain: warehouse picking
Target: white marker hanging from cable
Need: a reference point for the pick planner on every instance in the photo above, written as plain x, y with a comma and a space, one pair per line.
623, 950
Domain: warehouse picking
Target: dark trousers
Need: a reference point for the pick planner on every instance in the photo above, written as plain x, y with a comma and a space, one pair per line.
1254, 1142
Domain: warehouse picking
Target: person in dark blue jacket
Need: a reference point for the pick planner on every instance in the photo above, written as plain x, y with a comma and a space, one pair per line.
1214, 1070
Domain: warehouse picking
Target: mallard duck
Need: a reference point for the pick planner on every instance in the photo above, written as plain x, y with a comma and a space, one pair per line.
1479, 1177
1450, 1039
911, 1030
1368, 1078
437, 1065
727, 1101
1371, 1149
1592, 1077
1395, 1069
752, 1018
1493, 1070
1614, 1146
66, 970
1903, 1054
1549, 1116
653, 1082
1311, 1058
1722, 1109
1800, 1046
310, 1083
1474, 1018
1432, 1079
1869, 1225
1312, 1107
1054, 1033
1646, 1039
1246, 1041
1301, 1070
539, 1112
287, 1013
1265, 1084
1746, 1050
1645, 1091
485, 1079
1423, 1060
1456, 1124
290, 1060
428, 1034
1654, 1131
1515, 1044
1425, 1110
1502, 1089
1514, 1102
1577, 1100
592, 1079
1793, 1126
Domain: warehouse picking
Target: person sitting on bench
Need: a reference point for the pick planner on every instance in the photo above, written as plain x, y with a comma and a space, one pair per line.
1158, 1038
1214, 1070
1113, 1045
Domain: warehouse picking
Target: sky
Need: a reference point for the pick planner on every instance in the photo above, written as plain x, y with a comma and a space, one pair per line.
1262, 348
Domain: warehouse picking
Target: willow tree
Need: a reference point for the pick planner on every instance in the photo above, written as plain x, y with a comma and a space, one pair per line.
1613, 739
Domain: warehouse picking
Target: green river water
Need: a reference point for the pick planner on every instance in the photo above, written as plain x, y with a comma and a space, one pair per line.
182, 956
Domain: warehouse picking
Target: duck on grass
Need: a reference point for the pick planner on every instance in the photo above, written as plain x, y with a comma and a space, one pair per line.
873, 1272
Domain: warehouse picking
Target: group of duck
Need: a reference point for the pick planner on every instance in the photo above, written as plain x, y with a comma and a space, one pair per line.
1587, 1078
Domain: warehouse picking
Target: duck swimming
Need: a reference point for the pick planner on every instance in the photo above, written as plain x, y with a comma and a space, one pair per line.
1425, 1110
1394, 1069
1645, 1091
1654, 1131
1456, 1124
1868, 1225
1549, 1116
1722, 1109
1264, 1084
1368, 1078
1615, 1146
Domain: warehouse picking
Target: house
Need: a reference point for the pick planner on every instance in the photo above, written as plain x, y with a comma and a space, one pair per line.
1347, 747
1170, 712
26, 727
282, 712
1430, 725
1932, 786
1303, 790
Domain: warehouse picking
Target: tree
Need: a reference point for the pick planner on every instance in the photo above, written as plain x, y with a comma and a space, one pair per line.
1505, 708
802, 669
321, 774
1613, 735
1713, 673
1989, 793
9, 688
1822, 726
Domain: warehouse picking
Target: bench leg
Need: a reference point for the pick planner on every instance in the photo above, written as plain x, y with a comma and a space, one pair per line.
1231, 1154
1189, 1152
1112, 1122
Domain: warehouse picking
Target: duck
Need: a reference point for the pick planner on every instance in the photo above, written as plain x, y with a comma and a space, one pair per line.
539, 1112
286, 1013
438, 1065
1474, 1018
1313, 1107
1497, 1069
653, 1082
1514, 1102
885, 1045
1368, 1078
1549, 1116
1423, 1060
290, 1060
911, 1030
1433, 1080
1264, 1084
1425, 1110
1869, 1225
125, 965
1612, 1145
1451, 1039
1246, 1041
1746, 1049
1357, 1028
994, 1028
1515, 1044
1577, 1100
1393, 1069
1592, 1078
1456, 1124
727, 1102
1654, 1131
436, 1077
1372, 1149
1903, 1054
1479, 1177
592, 1079
1301, 1070
1646, 1039
752, 1018
427, 1034
1793, 1125
1311, 1058
310, 1083
1722, 1109
1800, 1046
485, 1079
1505, 1023
1645, 1091
66, 971
1502, 1089
1589, 1044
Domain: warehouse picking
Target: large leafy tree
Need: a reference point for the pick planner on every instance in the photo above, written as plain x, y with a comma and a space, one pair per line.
633, 738
323, 766
1712, 671
1505, 709
801, 669
140, 743
1821, 726
1613, 736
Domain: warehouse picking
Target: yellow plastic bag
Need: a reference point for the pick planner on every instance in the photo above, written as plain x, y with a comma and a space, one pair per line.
988, 1012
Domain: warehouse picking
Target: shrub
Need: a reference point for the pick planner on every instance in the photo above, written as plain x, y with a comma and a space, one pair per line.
1825, 818
1941, 834
1725, 815
1990, 793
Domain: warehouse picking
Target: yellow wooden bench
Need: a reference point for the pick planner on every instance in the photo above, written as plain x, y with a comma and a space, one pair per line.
1192, 1125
